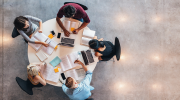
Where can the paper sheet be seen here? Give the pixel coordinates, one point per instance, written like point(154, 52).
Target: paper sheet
point(49, 50)
point(41, 55)
point(40, 36)
point(65, 63)
point(85, 41)
point(72, 57)
point(67, 24)
point(88, 33)
point(71, 73)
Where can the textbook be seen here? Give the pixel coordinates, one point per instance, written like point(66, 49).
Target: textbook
point(49, 74)
point(67, 62)
point(87, 36)
point(41, 55)
point(37, 37)
point(70, 25)
point(52, 45)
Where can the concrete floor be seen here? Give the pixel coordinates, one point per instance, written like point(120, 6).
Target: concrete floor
point(149, 34)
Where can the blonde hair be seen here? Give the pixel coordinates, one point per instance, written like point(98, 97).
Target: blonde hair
point(32, 70)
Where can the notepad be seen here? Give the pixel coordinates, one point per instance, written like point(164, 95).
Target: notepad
point(52, 46)
point(37, 37)
point(49, 74)
point(55, 61)
point(68, 61)
point(56, 69)
point(70, 25)
point(50, 36)
point(87, 36)
point(77, 74)
point(41, 55)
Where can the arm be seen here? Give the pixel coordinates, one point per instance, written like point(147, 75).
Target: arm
point(62, 26)
point(40, 79)
point(81, 27)
point(84, 67)
point(35, 19)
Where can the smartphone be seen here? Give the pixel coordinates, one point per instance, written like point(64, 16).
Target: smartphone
point(53, 33)
point(63, 76)
point(59, 35)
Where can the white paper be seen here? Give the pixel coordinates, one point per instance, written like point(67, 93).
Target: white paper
point(80, 73)
point(40, 36)
point(49, 50)
point(49, 74)
point(72, 73)
point(41, 55)
point(72, 57)
point(33, 45)
point(74, 25)
point(85, 41)
point(67, 24)
point(65, 63)
point(88, 33)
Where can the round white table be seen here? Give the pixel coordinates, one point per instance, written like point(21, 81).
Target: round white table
point(61, 51)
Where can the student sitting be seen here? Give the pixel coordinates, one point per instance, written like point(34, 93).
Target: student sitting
point(34, 75)
point(104, 50)
point(75, 11)
point(26, 28)
point(77, 91)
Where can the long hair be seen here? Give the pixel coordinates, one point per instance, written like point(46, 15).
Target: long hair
point(32, 70)
point(19, 22)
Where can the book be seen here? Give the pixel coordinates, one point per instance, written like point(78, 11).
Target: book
point(67, 62)
point(49, 74)
point(70, 25)
point(55, 61)
point(52, 45)
point(77, 74)
point(37, 37)
point(87, 36)
point(41, 55)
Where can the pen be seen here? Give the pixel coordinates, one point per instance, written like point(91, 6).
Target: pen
point(60, 81)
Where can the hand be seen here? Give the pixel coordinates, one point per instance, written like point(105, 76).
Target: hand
point(66, 33)
point(45, 44)
point(100, 58)
point(101, 39)
point(30, 36)
point(75, 31)
point(40, 31)
point(78, 62)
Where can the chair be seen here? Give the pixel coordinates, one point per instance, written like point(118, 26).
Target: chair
point(89, 99)
point(83, 6)
point(15, 33)
point(117, 49)
point(25, 85)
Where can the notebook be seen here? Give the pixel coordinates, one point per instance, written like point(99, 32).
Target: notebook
point(37, 37)
point(67, 62)
point(77, 74)
point(49, 74)
point(70, 25)
point(49, 50)
point(41, 55)
point(55, 61)
point(87, 36)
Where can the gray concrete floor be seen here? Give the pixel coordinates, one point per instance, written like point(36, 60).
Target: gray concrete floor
point(149, 34)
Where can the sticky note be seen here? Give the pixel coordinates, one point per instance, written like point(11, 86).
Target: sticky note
point(56, 47)
point(56, 70)
point(50, 36)
point(72, 29)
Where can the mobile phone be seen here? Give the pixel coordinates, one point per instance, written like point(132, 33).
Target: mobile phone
point(63, 76)
point(59, 35)
point(53, 33)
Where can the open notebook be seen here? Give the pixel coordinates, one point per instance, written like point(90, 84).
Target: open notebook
point(70, 25)
point(49, 74)
point(41, 55)
point(49, 50)
point(87, 36)
point(67, 62)
point(38, 37)
point(77, 74)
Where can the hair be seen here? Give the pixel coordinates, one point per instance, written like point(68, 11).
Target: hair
point(69, 82)
point(69, 11)
point(95, 44)
point(19, 22)
point(32, 70)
